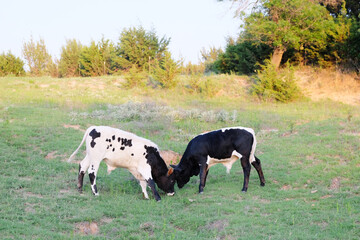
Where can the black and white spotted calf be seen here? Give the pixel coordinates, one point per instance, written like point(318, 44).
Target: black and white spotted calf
point(121, 149)
point(221, 146)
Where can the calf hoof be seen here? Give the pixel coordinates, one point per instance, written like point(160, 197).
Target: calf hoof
point(80, 190)
point(244, 190)
point(262, 184)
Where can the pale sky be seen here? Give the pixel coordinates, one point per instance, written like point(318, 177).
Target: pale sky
point(191, 24)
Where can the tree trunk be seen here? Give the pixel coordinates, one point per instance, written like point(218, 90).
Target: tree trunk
point(277, 56)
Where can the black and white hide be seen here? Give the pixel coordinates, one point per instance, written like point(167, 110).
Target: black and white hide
point(121, 149)
point(224, 146)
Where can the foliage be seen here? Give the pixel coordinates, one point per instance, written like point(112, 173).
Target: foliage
point(69, 64)
point(242, 57)
point(209, 57)
point(11, 65)
point(191, 69)
point(353, 45)
point(270, 84)
point(206, 86)
point(134, 77)
point(166, 70)
point(97, 59)
point(140, 47)
point(292, 24)
point(38, 58)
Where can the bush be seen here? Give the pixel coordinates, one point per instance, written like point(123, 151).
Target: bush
point(140, 47)
point(166, 70)
point(241, 58)
point(206, 86)
point(70, 57)
point(97, 59)
point(38, 58)
point(134, 78)
point(9, 64)
point(272, 85)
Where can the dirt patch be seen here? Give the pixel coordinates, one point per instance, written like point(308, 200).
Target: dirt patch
point(326, 196)
point(218, 225)
point(148, 227)
point(286, 187)
point(106, 220)
point(170, 157)
point(29, 208)
point(76, 127)
point(51, 155)
point(87, 228)
point(34, 195)
point(335, 183)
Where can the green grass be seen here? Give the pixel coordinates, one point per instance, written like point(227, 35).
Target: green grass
point(309, 153)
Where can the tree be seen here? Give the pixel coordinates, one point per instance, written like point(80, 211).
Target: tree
point(69, 64)
point(241, 57)
point(9, 64)
point(286, 24)
point(37, 57)
point(166, 70)
point(209, 57)
point(140, 47)
point(97, 59)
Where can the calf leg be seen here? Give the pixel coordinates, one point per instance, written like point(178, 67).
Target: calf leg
point(143, 185)
point(257, 166)
point(246, 169)
point(93, 169)
point(145, 172)
point(153, 189)
point(83, 166)
point(203, 175)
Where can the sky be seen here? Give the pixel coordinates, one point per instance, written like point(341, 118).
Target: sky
point(190, 24)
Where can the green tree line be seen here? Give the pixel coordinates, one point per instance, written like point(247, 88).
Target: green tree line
point(277, 34)
point(301, 32)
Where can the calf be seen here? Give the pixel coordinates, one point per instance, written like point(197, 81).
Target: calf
point(125, 150)
point(221, 146)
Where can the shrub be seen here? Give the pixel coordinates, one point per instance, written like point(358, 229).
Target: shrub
point(69, 61)
point(134, 78)
point(9, 64)
point(241, 57)
point(97, 59)
point(140, 47)
point(38, 58)
point(166, 70)
point(206, 86)
point(270, 84)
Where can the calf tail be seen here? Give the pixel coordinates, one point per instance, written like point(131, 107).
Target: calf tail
point(74, 153)
point(252, 157)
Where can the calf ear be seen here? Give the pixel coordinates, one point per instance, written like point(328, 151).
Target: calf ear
point(171, 171)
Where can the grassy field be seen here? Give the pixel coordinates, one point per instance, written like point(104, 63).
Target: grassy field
point(309, 152)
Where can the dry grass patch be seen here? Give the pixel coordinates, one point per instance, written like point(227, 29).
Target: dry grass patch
point(329, 83)
point(87, 228)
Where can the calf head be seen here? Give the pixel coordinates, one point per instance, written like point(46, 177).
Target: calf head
point(181, 176)
point(164, 177)
point(167, 182)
